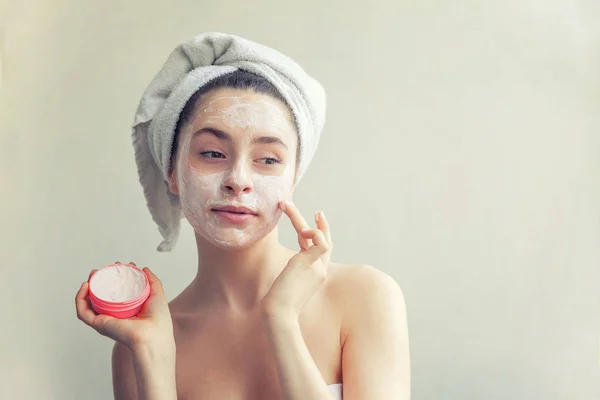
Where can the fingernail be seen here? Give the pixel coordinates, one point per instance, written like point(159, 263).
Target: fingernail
point(282, 205)
point(322, 214)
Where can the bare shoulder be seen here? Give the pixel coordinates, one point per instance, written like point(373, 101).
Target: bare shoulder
point(362, 293)
point(356, 281)
point(123, 375)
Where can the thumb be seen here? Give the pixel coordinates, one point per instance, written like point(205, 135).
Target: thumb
point(156, 287)
point(157, 302)
point(312, 255)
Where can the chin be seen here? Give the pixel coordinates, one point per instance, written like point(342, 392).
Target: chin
point(233, 246)
point(237, 239)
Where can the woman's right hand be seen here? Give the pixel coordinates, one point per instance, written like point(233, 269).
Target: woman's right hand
point(152, 326)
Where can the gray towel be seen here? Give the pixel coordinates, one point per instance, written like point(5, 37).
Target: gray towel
point(190, 66)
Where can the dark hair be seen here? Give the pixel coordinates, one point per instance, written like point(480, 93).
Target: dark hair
point(238, 79)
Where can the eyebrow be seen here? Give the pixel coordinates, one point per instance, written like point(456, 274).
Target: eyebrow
point(219, 134)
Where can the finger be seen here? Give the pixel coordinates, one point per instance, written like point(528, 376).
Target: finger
point(323, 225)
point(298, 222)
point(317, 237)
point(303, 242)
point(155, 283)
point(156, 286)
point(89, 302)
point(157, 301)
point(84, 313)
point(320, 247)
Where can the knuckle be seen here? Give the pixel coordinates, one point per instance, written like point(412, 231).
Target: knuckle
point(321, 274)
point(306, 263)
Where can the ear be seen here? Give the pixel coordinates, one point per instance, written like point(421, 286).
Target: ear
point(173, 187)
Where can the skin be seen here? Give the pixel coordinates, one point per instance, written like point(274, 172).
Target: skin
point(259, 320)
point(237, 150)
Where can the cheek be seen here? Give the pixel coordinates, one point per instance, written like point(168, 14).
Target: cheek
point(270, 190)
point(200, 188)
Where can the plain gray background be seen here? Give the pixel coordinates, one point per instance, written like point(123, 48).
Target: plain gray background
point(461, 156)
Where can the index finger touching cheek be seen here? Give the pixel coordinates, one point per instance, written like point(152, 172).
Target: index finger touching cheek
point(294, 215)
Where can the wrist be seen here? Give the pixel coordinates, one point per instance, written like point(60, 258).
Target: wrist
point(272, 309)
point(154, 349)
point(280, 319)
point(151, 337)
point(149, 361)
point(155, 370)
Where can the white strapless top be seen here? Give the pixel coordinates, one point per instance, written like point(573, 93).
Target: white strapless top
point(336, 390)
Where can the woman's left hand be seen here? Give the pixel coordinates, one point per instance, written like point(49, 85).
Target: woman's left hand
point(305, 272)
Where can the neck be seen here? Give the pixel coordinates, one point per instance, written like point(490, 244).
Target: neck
point(238, 279)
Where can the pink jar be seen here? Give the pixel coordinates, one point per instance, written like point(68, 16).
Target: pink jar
point(119, 290)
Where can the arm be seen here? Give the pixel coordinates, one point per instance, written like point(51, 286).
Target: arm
point(375, 357)
point(147, 373)
point(144, 356)
point(123, 374)
point(299, 376)
point(304, 274)
point(375, 354)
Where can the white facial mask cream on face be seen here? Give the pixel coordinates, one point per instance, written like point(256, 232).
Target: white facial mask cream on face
point(200, 192)
point(118, 283)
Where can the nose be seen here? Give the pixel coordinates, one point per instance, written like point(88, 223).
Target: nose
point(238, 181)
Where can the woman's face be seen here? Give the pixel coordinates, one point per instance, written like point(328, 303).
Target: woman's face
point(235, 163)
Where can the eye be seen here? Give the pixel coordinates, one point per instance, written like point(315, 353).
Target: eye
point(212, 154)
point(269, 161)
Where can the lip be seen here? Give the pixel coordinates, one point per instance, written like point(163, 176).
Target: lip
point(235, 214)
point(236, 218)
point(236, 210)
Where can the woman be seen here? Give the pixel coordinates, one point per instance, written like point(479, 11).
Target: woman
point(222, 135)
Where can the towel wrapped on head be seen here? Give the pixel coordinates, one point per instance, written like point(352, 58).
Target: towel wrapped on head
point(189, 67)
